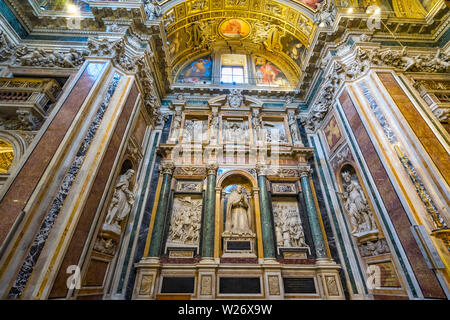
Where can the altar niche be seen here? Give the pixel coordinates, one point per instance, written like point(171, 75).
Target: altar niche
point(238, 215)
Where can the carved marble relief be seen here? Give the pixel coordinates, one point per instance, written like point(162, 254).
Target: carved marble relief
point(374, 248)
point(195, 130)
point(288, 226)
point(275, 132)
point(235, 130)
point(185, 222)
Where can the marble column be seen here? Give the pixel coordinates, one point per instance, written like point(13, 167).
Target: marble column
point(316, 230)
point(210, 209)
point(266, 215)
point(166, 170)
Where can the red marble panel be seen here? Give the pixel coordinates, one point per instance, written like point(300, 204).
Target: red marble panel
point(426, 136)
point(86, 220)
point(427, 279)
point(27, 179)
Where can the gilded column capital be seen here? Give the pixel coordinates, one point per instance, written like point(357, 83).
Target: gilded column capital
point(166, 167)
point(211, 168)
point(304, 170)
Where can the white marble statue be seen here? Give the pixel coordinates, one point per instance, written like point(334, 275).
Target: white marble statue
point(293, 127)
point(121, 203)
point(238, 214)
point(356, 205)
point(152, 9)
point(257, 125)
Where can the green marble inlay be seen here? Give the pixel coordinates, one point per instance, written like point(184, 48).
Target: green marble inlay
point(314, 223)
point(335, 222)
point(158, 227)
point(208, 224)
point(266, 219)
point(138, 214)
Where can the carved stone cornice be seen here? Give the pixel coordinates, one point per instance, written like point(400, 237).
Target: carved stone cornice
point(438, 62)
point(167, 167)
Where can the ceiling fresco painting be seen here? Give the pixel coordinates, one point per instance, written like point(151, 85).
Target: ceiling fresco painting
point(268, 73)
point(268, 28)
point(199, 71)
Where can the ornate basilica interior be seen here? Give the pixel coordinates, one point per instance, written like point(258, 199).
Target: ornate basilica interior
point(224, 149)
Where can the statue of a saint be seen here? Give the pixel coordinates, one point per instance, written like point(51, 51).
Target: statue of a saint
point(238, 216)
point(357, 206)
point(121, 203)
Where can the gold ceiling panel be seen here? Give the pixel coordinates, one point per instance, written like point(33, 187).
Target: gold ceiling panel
point(285, 17)
point(264, 27)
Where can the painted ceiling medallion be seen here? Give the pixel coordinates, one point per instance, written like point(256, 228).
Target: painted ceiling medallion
point(234, 29)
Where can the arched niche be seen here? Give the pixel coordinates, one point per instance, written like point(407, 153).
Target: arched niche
point(357, 207)
point(226, 184)
point(18, 145)
point(6, 156)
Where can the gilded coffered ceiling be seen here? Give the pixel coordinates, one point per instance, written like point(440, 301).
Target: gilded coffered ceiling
point(267, 28)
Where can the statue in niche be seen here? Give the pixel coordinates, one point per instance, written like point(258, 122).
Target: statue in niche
point(238, 214)
point(292, 120)
point(288, 228)
point(185, 222)
point(214, 126)
point(176, 125)
point(257, 124)
point(121, 203)
point(356, 205)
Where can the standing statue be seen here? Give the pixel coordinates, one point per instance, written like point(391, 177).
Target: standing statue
point(257, 125)
point(293, 127)
point(152, 9)
point(238, 216)
point(214, 126)
point(121, 203)
point(355, 203)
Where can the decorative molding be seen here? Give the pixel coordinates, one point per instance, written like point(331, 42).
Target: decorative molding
point(190, 171)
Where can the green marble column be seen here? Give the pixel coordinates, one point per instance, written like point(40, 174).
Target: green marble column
point(266, 216)
point(161, 211)
point(209, 216)
point(316, 230)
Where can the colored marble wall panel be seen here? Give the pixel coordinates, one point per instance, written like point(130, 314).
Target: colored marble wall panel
point(80, 235)
point(27, 179)
point(423, 132)
point(426, 278)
